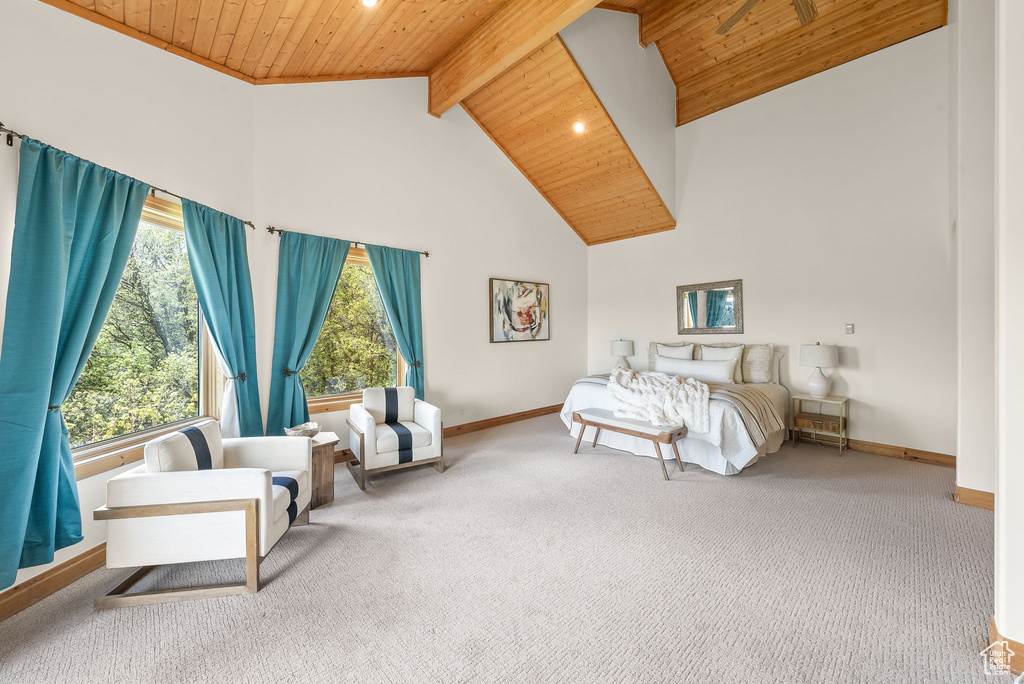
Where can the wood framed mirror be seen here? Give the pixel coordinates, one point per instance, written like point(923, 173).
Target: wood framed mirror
point(709, 308)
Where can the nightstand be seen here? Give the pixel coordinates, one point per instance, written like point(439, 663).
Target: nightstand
point(820, 424)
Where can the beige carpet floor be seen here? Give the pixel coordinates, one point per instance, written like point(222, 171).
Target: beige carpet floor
point(525, 563)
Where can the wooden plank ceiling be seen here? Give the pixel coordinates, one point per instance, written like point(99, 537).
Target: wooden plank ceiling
point(592, 178)
point(503, 60)
point(281, 41)
point(766, 44)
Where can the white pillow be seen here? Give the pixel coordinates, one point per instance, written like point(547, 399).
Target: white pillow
point(757, 362)
point(777, 367)
point(705, 371)
point(734, 354)
point(717, 345)
point(675, 351)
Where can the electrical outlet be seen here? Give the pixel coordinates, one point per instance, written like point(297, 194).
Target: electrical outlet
point(849, 328)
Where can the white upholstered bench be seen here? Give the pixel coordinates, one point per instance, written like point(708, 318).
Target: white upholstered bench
point(604, 419)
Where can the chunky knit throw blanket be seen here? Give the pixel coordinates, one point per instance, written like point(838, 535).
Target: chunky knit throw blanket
point(661, 399)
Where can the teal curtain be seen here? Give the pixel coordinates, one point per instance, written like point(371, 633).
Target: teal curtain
point(74, 226)
point(397, 272)
point(691, 301)
point(307, 276)
point(220, 269)
point(718, 309)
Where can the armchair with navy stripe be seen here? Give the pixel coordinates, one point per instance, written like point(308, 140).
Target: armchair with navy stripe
point(393, 429)
point(199, 498)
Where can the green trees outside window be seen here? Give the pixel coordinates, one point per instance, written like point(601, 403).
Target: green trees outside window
point(356, 348)
point(144, 370)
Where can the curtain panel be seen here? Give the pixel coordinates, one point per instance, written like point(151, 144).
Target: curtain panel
point(307, 276)
point(397, 272)
point(74, 227)
point(717, 311)
point(220, 269)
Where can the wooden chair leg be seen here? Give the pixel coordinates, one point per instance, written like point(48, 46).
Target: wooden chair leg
point(358, 473)
point(359, 477)
point(440, 464)
point(678, 459)
point(119, 597)
point(664, 470)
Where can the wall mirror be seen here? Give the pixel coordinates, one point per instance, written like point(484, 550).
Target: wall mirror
point(706, 308)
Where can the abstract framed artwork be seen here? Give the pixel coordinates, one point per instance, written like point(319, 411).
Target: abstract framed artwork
point(520, 311)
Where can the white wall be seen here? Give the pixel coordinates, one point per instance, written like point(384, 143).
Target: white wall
point(362, 160)
point(128, 106)
point(1009, 549)
point(972, 30)
point(829, 198)
point(634, 86)
point(358, 160)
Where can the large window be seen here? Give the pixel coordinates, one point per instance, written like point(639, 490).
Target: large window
point(356, 348)
point(145, 369)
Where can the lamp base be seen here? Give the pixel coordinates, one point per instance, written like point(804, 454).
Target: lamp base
point(818, 385)
point(622, 363)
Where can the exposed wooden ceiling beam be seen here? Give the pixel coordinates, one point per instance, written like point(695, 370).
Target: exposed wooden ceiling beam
point(510, 35)
point(592, 179)
point(661, 18)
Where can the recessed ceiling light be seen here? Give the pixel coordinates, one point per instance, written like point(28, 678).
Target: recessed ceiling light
point(369, 3)
point(579, 127)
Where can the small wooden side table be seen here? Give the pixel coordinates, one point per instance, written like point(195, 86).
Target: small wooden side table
point(323, 469)
point(834, 426)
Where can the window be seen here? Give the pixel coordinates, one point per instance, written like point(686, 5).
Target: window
point(146, 368)
point(356, 348)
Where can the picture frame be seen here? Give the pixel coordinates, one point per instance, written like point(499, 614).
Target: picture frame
point(520, 311)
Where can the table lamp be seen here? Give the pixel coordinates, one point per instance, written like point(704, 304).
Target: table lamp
point(819, 356)
point(622, 349)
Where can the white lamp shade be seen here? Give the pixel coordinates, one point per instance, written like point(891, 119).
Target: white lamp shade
point(819, 355)
point(622, 347)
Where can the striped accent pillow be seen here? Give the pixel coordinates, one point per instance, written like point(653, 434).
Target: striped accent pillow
point(197, 447)
point(200, 447)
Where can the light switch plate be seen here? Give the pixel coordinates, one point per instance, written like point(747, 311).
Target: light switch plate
point(849, 328)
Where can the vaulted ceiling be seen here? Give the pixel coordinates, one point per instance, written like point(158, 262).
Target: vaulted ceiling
point(593, 180)
point(503, 61)
point(722, 52)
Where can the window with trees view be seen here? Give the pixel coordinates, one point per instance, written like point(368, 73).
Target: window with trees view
point(356, 348)
point(144, 370)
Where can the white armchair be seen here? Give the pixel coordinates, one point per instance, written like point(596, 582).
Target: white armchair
point(393, 429)
point(198, 498)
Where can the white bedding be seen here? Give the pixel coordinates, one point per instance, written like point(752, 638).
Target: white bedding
point(725, 449)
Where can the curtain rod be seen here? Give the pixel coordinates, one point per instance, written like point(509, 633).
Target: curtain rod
point(11, 134)
point(355, 243)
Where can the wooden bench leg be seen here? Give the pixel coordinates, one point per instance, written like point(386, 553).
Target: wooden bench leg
point(664, 470)
point(583, 428)
point(597, 433)
point(678, 459)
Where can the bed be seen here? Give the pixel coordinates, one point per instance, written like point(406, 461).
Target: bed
point(727, 448)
